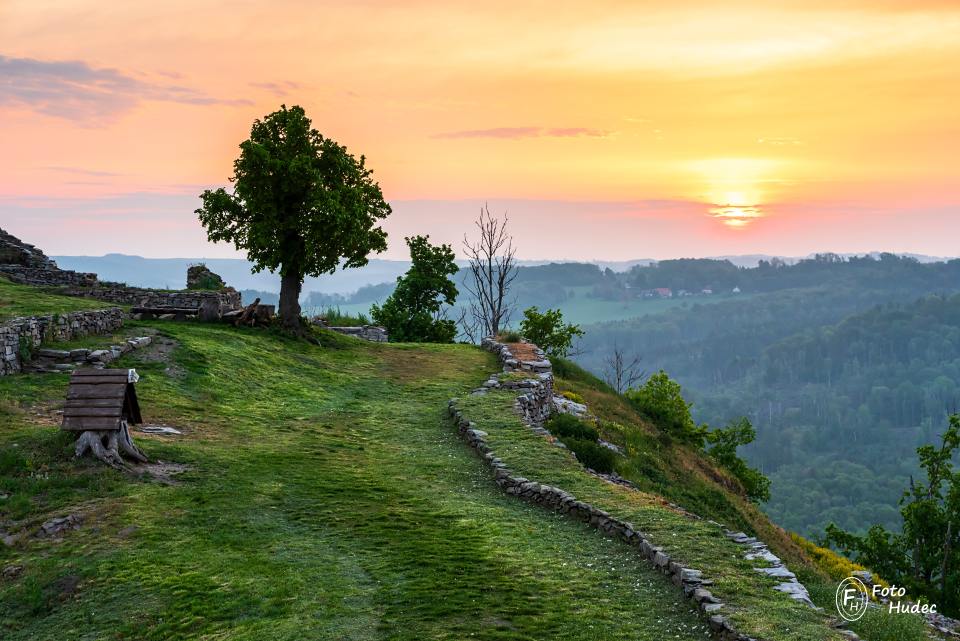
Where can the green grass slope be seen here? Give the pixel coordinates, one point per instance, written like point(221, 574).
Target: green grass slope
point(23, 300)
point(326, 498)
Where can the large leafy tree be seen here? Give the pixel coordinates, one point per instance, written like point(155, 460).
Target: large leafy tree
point(301, 205)
point(414, 312)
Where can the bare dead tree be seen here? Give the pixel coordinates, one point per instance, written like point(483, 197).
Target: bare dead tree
point(622, 371)
point(492, 269)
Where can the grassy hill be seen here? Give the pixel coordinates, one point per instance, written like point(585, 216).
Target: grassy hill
point(21, 300)
point(325, 495)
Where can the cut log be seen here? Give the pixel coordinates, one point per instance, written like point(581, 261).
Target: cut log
point(110, 446)
point(249, 315)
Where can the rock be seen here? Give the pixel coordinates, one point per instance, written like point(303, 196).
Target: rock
point(158, 429)
point(59, 524)
point(79, 354)
point(778, 572)
point(58, 354)
point(199, 276)
point(12, 571)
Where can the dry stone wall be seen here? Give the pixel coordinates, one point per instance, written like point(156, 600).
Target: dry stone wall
point(534, 403)
point(226, 300)
point(372, 333)
point(20, 336)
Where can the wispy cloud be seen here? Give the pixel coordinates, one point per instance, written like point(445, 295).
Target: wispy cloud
point(81, 171)
point(281, 88)
point(516, 133)
point(77, 91)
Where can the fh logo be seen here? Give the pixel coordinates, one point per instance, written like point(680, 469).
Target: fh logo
point(852, 598)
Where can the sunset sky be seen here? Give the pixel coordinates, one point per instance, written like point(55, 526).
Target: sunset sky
point(606, 129)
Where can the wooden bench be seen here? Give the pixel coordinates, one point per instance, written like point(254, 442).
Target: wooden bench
point(101, 404)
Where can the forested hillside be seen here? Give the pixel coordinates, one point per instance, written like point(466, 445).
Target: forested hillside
point(844, 367)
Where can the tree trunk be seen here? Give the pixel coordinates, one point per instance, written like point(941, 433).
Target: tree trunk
point(290, 285)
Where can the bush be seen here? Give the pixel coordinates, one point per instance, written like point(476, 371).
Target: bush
point(548, 331)
point(661, 400)
point(336, 318)
point(592, 455)
point(569, 426)
point(510, 336)
point(573, 396)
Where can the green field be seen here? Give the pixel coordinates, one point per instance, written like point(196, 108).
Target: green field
point(326, 495)
point(22, 300)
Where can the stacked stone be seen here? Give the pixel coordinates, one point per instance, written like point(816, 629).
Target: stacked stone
point(43, 277)
point(25, 264)
point(535, 403)
point(689, 580)
point(22, 335)
point(61, 360)
point(14, 251)
point(226, 300)
point(372, 333)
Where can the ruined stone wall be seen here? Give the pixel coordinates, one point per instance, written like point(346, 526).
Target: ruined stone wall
point(372, 333)
point(21, 335)
point(535, 400)
point(227, 299)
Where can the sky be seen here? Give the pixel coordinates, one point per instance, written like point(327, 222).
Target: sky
point(606, 129)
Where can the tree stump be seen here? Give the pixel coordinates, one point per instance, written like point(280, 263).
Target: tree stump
point(110, 446)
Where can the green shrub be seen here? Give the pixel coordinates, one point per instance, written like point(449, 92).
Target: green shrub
point(592, 455)
point(510, 336)
point(661, 400)
point(568, 426)
point(548, 331)
point(25, 349)
point(336, 318)
point(573, 396)
point(570, 371)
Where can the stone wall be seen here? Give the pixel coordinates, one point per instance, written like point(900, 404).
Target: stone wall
point(26, 334)
point(372, 333)
point(227, 299)
point(14, 251)
point(689, 580)
point(535, 400)
point(45, 277)
point(534, 404)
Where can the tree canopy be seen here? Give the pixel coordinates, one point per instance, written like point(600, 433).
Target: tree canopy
point(301, 205)
point(414, 311)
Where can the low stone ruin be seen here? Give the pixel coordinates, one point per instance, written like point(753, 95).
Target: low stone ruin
point(21, 336)
point(199, 276)
point(25, 264)
point(48, 359)
point(372, 333)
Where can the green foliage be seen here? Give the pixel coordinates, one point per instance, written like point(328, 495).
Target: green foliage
point(345, 508)
point(24, 349)
point(661, 400)
point(413, 312)
point(567, 369)
point(23, 300)
point(510, 336)
point(548, 331)
point(724, 443)
point(592, 455)
point(207, 280)
point(336, 318)
point(569, 426)
point(301, 204)
point(925, 556)
point(573, 396)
